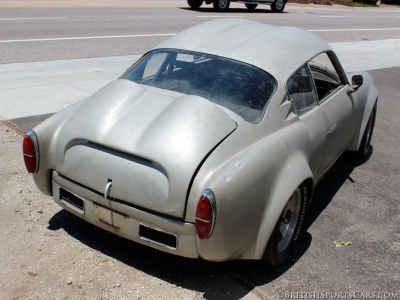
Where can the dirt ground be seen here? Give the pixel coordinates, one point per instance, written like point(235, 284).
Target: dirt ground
point(48, 253)
point(42, 255)
point(39, 260)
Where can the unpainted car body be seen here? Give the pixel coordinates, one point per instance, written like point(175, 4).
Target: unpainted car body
point(142, 161)
point(223, 5)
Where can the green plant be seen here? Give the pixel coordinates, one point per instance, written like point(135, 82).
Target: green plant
point(368, 2)
point(343, 2)
point(359, 4)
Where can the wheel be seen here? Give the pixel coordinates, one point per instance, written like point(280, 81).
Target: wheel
point(221, 5)
point(251, 6)
point(366, 140)
point(278, 6)
point(195, 3)
point(288, 228)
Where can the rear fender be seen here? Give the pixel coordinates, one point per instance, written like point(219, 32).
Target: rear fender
point(251, 189)
point(46, 133)
point(293, 174)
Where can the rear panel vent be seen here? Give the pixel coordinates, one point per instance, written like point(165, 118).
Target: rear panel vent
point(158, 236)
point(71, 200)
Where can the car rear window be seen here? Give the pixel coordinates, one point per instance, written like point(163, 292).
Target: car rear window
point(240, 87)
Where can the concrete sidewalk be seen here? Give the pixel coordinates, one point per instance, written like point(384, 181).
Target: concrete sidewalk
point(36, 88)
point(28, 89)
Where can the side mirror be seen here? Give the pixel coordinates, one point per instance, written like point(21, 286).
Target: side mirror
point(356, 81)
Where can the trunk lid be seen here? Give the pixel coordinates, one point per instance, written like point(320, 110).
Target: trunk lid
point(148, 143)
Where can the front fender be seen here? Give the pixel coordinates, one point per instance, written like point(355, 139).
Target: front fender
point(368, 96)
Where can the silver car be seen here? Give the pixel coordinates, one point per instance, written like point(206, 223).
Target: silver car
point(223, 5)
point(211, 144)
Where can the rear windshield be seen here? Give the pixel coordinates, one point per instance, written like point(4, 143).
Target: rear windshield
point(241, 88)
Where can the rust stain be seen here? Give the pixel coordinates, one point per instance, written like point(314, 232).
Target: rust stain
point(111, 225)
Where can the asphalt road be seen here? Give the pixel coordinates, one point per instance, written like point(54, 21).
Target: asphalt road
point(40, 33)
point(357, 201)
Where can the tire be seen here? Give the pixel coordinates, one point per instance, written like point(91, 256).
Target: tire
point(195, 4)
point(221, 5)
point(278, 6)
point(365, 145)
point(251, 6)
point(288, 228)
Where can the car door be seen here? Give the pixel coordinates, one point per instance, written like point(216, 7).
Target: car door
point(301, 92)
point(337, 107)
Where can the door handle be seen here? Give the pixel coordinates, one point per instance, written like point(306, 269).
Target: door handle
point(107, 189)
point(332, 130)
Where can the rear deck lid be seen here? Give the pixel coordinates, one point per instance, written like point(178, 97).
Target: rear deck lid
point(148, 143)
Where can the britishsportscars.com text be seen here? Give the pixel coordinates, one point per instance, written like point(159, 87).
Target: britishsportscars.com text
point(338, 295)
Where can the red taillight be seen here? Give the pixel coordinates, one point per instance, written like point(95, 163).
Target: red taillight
point(29, 151)
point(205, 215)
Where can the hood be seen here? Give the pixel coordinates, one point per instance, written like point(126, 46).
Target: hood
point(148, 143)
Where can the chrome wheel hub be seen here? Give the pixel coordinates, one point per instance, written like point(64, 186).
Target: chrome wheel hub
point(369, 129)
point(289, 220)
point(279, 4)
point(223, 3)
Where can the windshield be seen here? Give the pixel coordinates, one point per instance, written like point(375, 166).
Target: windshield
point(242, 88)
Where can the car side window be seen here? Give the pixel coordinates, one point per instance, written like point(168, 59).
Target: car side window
point(326, 79)
point(153, 65)
point(301, 91)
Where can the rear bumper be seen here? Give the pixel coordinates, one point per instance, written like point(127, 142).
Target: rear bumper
point(142, 227)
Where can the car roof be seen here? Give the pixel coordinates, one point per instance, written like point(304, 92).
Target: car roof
point(278, 50)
